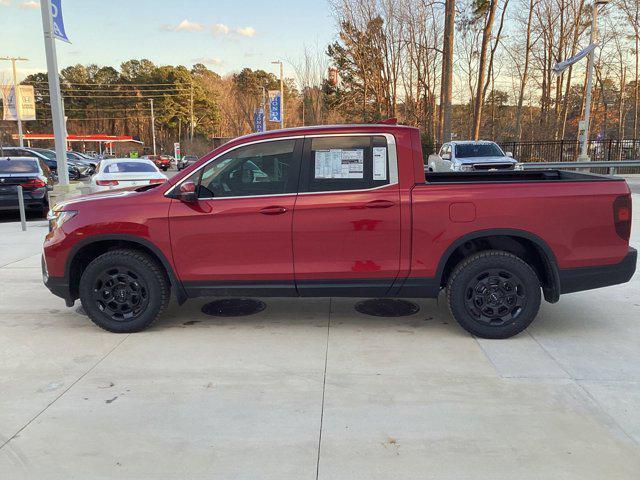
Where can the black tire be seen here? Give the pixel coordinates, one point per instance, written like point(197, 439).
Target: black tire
point(493, 294)
point(124, 291)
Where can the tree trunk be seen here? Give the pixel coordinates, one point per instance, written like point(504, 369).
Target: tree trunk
point(525, 73)
point(446, 86)
point(486, 37)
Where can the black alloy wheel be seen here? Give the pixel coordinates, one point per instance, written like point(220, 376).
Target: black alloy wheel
point(120, 293)
point(495, 297)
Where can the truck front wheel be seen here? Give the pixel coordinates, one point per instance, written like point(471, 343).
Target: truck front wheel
point(123, 291)
point(493, 294)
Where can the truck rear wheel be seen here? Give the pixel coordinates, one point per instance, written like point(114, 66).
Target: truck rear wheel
point(123, 291)
point(494, 294)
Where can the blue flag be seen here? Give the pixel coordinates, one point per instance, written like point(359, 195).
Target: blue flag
point(258, 120)
point(275, 112)
point(58, 22)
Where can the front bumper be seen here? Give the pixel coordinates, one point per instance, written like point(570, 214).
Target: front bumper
point(588, 278)
point(59, 286)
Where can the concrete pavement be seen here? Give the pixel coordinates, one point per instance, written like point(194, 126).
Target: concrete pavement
point(312, 389)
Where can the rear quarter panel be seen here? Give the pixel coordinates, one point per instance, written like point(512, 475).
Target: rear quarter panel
point(575, 219)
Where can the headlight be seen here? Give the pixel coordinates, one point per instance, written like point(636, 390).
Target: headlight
point(518, 166)
point(57, 218)
point(461, 167)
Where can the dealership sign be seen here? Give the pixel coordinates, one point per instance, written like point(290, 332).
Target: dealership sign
point(27, 103)
point(275, 106)
point(258, 120)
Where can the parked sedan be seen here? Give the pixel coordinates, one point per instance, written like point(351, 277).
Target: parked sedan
point(126, 172)
point(472, 156)
point(76, 171)
point(187, 161)
point(34, 177)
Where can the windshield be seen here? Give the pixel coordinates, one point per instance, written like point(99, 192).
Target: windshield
point(129, 167)
point(18, 166)
point(478, 150)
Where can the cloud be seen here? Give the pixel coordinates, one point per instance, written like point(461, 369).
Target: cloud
point(208, 61)
point(246, 31)
point(184, 26)
point(31, 4)
point(220, 29)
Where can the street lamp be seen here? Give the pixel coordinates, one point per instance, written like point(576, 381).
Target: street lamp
point(584, 155)
point(16, 93)
point(278, 62)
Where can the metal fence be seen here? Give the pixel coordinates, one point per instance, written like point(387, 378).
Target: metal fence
point(568, 150)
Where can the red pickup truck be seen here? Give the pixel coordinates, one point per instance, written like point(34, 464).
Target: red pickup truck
point(341, 211)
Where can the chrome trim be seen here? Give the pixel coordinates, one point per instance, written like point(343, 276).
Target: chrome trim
point(392, 160)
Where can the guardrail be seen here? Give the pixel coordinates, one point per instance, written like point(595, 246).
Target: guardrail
point(612, 167)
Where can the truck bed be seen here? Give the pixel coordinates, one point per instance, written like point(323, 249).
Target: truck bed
point(516, 176)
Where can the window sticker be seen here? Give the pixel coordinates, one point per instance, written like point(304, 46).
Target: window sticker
point(379, 163)
point(338, 163)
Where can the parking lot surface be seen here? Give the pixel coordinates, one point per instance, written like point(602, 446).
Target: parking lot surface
point(310, 388)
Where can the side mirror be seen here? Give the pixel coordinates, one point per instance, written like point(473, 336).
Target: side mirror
point(446, 156)
point(187, 192)
point(509, 154)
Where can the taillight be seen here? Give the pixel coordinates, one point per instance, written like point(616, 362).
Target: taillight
point(106, 183)
point(622, 216)
point(154, 181)
point(33, 184)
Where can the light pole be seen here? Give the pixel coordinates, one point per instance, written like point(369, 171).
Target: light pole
point(16, 93)
point(278, 62)
point(584, 154)
point(153, 126)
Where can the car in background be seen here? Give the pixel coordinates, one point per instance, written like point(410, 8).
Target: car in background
point(161, 161)
point(472, 156)
point(186, 161)
point(35, 178)
point(126, 172)
point(76, 171)
point(82, 159)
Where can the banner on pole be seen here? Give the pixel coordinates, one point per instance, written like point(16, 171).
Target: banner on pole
point(560, 67)
point(258, 120)
point(27, 103)
point(275, 106)
point(58, 22)
point(176, 151)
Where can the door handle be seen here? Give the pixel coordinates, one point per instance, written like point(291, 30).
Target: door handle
point(273, 210)
point(380, 204)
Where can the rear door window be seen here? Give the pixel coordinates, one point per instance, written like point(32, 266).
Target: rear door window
point(336, 163)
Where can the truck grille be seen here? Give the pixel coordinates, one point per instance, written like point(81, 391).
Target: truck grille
point(483, 167)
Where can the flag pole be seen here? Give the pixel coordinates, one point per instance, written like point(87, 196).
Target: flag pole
point(57, 114)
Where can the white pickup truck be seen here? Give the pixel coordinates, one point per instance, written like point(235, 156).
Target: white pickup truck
point(471, 156)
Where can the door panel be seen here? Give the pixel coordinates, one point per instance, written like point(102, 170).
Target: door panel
point(236, 238)
point(346, 243)
point(232, 241)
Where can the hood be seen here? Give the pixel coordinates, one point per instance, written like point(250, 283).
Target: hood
point(69, 203)
point(500, 159)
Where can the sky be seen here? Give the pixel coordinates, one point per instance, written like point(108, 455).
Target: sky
point(224, 35)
